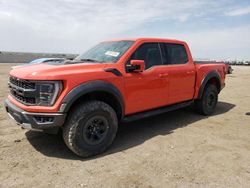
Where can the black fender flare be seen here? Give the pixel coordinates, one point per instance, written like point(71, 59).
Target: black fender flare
point(89, 87)
point(212, 74)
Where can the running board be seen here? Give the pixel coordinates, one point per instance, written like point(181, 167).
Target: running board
point(157, 111)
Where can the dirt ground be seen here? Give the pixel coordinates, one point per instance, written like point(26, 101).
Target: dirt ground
point(177, 149)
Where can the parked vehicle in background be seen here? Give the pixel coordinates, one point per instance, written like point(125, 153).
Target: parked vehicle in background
point(44, 60)
point(229, 69)
point(246, 63)
point(118, 80)
point(40, 60)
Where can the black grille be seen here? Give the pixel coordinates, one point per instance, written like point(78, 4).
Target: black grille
point(18, 89)
point(22, 83)
point(22, 99)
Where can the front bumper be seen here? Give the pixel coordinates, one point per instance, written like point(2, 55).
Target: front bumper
point(30, 120)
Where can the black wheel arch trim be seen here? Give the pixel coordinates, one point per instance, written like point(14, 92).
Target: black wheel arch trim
point(89, 87)
point(212, 74)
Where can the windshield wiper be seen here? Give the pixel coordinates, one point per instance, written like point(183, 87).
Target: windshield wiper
point(81, 61)
point(89, 60)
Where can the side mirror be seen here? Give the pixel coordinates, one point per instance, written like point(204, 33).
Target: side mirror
point(136, 66)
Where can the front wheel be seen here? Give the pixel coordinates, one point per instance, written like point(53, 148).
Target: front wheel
point(206, 105)
point(90, 128)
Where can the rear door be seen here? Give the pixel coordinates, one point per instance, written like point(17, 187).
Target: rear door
point(181, 72)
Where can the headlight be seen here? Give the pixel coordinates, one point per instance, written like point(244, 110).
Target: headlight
point(48, 92)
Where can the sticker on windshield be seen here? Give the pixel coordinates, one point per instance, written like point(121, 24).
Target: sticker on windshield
point(112, 53)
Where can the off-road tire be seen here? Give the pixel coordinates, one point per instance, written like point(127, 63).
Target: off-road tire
point(76, 128)
point(206, 105)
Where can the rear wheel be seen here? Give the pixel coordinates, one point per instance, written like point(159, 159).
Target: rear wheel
point(206, 105)
point(90, 128)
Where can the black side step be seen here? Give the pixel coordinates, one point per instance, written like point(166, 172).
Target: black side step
point(157, 111)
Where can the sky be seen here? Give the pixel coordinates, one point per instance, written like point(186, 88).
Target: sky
point(214, 29)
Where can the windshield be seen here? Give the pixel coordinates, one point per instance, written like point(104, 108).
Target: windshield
point(105, 52)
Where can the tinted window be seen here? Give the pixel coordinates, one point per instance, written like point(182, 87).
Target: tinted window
point(150, 53)
point(174, 54)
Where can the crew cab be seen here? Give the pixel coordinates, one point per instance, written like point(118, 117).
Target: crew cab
point(115, 81)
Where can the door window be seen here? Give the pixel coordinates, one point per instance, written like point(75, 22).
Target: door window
point(174, 54)
point(150, 53)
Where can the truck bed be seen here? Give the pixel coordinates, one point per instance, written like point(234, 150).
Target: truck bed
point(208, 62)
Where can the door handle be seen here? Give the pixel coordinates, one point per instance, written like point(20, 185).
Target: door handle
point(190, 72)
point(163, 75)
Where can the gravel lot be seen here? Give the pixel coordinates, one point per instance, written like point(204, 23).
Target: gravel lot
point(177, 149)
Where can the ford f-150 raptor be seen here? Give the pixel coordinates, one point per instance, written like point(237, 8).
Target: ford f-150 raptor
point(115, 81)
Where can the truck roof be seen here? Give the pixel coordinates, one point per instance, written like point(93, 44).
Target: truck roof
point(147, 39)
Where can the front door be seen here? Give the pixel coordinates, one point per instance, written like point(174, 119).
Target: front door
point(148, 89)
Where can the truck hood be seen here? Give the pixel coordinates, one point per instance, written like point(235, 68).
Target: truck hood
point(45, 71)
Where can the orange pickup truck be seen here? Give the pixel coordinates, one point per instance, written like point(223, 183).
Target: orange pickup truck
point(115, 81)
